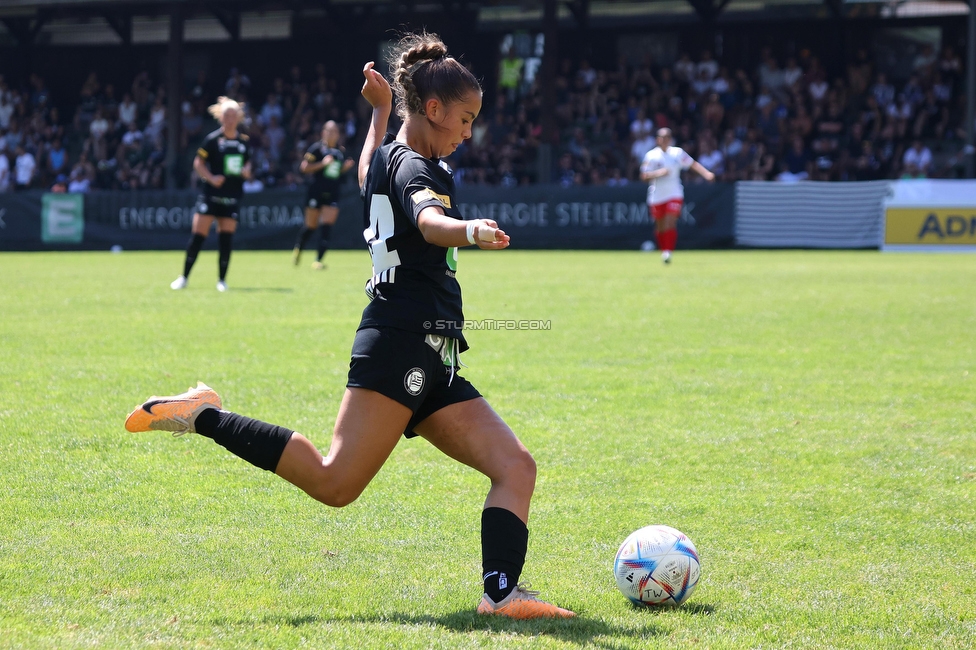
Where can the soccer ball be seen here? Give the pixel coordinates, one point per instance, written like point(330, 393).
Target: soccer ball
point(657, 565)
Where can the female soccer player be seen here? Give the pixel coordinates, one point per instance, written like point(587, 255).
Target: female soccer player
point(403, 378)
point(326, 162)
point(662, 167)
point(223, 161)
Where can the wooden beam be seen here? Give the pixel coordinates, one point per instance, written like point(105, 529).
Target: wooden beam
point(24, 29)
point(581, 12)
point(229, 19)
point(836, 7)
point(708, 10)
point(121, 25)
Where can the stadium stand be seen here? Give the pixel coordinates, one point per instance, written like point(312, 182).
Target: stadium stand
point(117, 142)
point(782, 120)
point(781, 116)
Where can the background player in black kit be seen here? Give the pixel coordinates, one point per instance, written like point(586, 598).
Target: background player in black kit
point(403, 374)
point(223, 162)
point(325, 162)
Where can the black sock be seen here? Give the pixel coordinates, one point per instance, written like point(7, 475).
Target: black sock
point(259, 443)
point(303, 236)
point(504, 540)
point(225, 241)
point(325, 232)
point(192, 249)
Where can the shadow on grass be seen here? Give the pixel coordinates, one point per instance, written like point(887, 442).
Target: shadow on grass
point(262, 289)
point(698, 609)
point(580, 630)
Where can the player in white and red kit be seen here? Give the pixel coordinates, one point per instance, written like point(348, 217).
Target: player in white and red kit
point(662, 167)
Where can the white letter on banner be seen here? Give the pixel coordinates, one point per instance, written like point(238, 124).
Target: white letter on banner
point(562, 214)
point(61, 218)
point(620, 213)
point(638, 213)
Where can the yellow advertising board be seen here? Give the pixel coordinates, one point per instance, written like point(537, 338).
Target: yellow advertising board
point(937, 226)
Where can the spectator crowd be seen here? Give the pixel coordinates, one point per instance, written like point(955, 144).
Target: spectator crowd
point(786, 120)
point(119, 142)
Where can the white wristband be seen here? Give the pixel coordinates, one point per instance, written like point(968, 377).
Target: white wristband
point(469, 231)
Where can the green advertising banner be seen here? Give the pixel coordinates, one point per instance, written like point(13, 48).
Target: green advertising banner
point(62, 218)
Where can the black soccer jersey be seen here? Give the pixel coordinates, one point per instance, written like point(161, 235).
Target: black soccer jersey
point(413, 285)
point(326, 180)
point(226, 157)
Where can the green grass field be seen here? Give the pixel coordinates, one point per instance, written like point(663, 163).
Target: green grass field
point(807, 418)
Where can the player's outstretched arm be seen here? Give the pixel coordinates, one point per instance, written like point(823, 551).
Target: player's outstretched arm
point(699, 169)
point(377, 91)
point(441, 230)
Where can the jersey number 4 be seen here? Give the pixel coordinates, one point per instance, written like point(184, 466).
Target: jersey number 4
point(380, 229)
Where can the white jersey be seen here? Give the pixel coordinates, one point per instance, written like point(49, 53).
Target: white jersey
point(667, 187)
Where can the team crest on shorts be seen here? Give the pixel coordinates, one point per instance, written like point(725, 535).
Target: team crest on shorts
point(413, 381)
point(312, 203)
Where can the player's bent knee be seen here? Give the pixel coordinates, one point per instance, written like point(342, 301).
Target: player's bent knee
point(520, 472)
point(335, 496)
point(530, 470)
point(335, 493)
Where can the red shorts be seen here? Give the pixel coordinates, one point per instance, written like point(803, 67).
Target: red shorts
point(669, 207)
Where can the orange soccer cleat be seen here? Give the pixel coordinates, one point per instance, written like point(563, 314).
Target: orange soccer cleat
point(177, 413)
point(522, 604)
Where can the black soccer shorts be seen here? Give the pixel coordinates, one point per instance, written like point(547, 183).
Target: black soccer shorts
point(217, 206)
point(321, 199)
point(402, 366)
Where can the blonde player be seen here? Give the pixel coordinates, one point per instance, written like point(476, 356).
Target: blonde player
point(662, 167)
point(223, 161)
